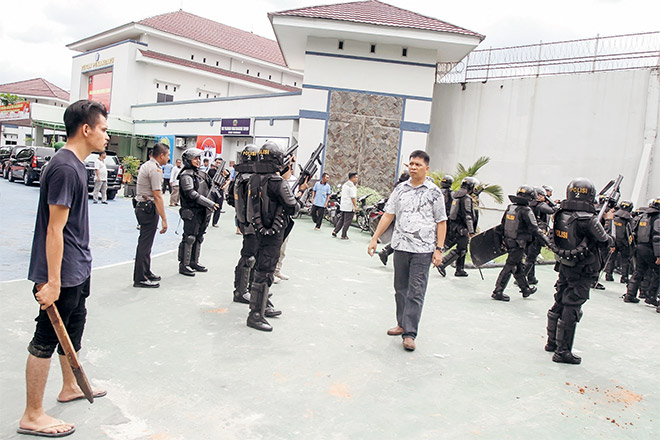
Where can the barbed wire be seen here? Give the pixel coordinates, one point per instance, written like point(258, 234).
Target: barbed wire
point(598, 54)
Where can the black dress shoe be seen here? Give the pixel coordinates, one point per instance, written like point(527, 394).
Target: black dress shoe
point(187, 271)
point(153, 277)
point(500, 296)
point(148, 284)
point(198, 267)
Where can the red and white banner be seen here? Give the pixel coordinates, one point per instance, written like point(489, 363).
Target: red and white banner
point(212, 146)
point(100, 88)
point(15, 112)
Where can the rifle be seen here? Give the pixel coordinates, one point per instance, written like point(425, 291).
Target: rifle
point(218, 181)
point(612, 196)
point(310, 167)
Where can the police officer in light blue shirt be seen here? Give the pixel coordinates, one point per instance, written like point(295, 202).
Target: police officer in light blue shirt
point(320, 193)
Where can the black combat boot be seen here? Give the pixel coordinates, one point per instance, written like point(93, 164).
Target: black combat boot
point(185, 253)
point(271, 311)
point(446, 261)
point(258, 301)
point(241, 282)
point(500, 296)
point(630, 298)
point(609, 277)
point(529, 290)
point(460, 267)
point(623, 280)
point(565, 336)
point(194, 263)
point(551, 328)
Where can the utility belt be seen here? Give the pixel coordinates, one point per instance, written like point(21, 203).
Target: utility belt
point(148, 206)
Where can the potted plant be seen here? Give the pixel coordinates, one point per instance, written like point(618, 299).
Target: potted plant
point(130, 165)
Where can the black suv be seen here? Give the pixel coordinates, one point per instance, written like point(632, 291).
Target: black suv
point(115, 172)
point(7, 153)
point(28, 162)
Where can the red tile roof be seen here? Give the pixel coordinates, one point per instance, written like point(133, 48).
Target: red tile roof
point(35, 87)
point(378, 13)
point(216, 70)
point(217, 34)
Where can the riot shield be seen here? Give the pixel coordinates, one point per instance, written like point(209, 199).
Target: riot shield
point(487, 246)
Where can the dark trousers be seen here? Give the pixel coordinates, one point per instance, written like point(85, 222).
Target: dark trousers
point(411, 275)
point(513, 266)
point(621, 249)
point(645, 260)
point(268, 254)
point(73, 311)
point(344, 222)
point(572, 290)
point(216, 214)
point(532, 253)
point(166, 185)
point(148, 221)
point(317, 215)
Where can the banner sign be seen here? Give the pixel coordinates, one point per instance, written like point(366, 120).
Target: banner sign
point(235, 127)
point(167, 140)
point(15, 112)
point(211, 145)
point(100, 88)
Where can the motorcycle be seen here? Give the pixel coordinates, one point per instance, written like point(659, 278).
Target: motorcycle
point(305, 203)
point(375, 214)
point(362, 215)
point(331, 212)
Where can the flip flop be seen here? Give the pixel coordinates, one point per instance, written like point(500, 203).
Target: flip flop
point(96, 395)
point(41, 433)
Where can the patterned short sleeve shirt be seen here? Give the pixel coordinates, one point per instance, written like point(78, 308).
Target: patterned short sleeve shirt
point(418, 211)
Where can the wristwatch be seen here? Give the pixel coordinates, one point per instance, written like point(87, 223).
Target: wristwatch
point(440, 248)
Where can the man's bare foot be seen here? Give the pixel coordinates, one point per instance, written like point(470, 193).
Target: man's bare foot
point(72, 395)
point(44, 424)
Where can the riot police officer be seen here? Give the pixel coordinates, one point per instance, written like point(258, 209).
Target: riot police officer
point(461, 227)
point(519, 228)
point(647, 232)
point(622, 233)
point(238, 198)
point(445, 188)
point(577, 237)
point(542, 210)
point(270, 207)
point(196, 208)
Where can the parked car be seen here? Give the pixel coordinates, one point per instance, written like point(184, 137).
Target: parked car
point(28, 162)
point(7, 156)
point(115, 173)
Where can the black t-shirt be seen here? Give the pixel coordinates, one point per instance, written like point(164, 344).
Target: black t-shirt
point(64, 183)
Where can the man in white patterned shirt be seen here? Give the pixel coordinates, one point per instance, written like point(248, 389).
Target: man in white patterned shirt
point(418, 241)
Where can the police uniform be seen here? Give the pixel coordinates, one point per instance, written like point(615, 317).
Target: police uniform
point(519, 228)
point(542, 211)
point(647, 233)
point(149, 179)
point(462, 223)
point(270, 207)
point(577, 238)
point(196, 208)
point(621, 230)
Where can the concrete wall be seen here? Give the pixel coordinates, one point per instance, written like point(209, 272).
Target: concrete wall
point(548, 130)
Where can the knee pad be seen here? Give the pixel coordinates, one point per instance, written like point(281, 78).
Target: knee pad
point(571, 313)
point(190, 239)
point(251, 262)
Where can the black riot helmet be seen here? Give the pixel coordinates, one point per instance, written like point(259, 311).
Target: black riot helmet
point(655, 203)
point(469, 183)
point(626, 205)
point(581, 189)
point(540, 191)
point(249, 154)
point(189, 155)
point(271, 153)
point(446, 181)
point(526, 192)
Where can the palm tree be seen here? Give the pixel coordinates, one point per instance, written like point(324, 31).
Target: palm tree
point(495, 191)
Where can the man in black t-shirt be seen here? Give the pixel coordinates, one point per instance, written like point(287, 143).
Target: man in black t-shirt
point(61, 262)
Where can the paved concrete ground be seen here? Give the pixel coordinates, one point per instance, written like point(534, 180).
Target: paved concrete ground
point(179, 363)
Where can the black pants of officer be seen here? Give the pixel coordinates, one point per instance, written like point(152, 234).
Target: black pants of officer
point(460, 239)
point(243, 272)
point(532, 253)
point(195, 223)
point(317, 215)
point(645, 262)
point(268, 254)
point(513, 266)
point(572, 291)
point(147, 218)
point(622, 249)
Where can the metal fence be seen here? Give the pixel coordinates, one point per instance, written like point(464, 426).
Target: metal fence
point(599, 54)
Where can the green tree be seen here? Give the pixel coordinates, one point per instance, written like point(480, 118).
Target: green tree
point(8, 99)
point(495, 191)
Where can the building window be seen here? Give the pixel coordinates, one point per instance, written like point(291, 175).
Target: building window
point(165, 86)
point(404, 52)
point(341, 45)
point(175, 88)
point(258, 73)
point(207, 95)
point(373, 48)
point(295, 83)
point(199, 94)
point(269, 76)
point(204, 60)
point(163, 97)
point(217, 63)
point(248, 71)
point(192, 57)
point(157, 85)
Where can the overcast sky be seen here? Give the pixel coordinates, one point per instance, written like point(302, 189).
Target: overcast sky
point(34, 33)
